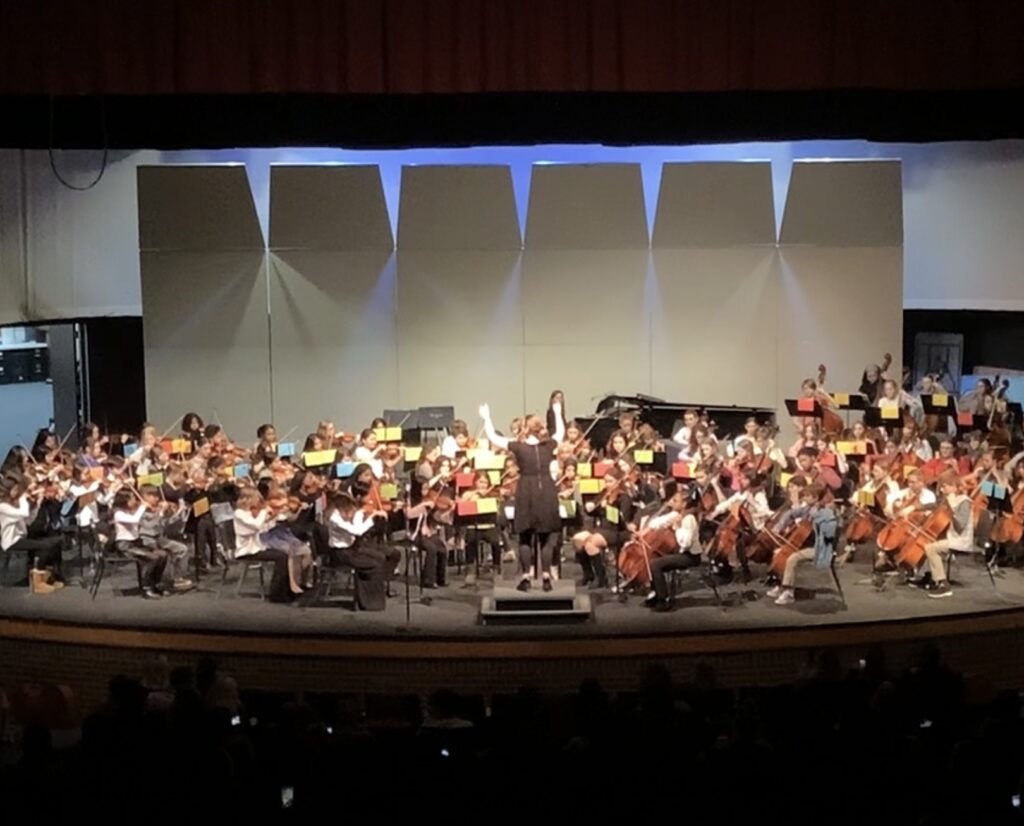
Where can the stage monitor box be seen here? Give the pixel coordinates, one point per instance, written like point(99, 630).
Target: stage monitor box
point(436, 418)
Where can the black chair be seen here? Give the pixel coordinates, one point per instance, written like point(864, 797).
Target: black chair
point(108, 555)
point(246, 566)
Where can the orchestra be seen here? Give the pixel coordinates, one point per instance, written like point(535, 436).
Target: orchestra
point(887, 473)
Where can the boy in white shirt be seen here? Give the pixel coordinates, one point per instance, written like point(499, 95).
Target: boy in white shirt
point(16, 513)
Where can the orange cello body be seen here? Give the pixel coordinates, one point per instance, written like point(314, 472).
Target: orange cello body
point(636, 555)
point(894, 534)
point(1009, 527)
point(726, 539)
point(761, 548)
point(795, 538)
point(932, 528)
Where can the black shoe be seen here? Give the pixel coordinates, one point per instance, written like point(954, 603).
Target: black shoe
point(151, 593)
point(428, 586)
point(547, 584)
point(651, 600)
point(939, 590)
point(663, 606)
point(524, 585)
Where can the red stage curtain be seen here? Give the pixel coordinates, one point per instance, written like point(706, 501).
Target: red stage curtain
point(447, 46)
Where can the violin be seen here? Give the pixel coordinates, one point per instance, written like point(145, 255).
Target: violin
point(373, 501)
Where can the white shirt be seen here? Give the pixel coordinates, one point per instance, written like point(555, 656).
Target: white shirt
point(926, 498)
point(757, 506)
point(449, 447)
point(87, 515)
point(247, 531)
point(126, 525)
point(961, 540)
point(687, 531)
point(14, 522)
point(364, 454)
point(344, 533)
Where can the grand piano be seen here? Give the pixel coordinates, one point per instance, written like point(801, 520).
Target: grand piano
point(666, 417)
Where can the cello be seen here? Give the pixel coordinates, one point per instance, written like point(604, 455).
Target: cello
point(1009, 527)
point(634, 560)
point(931, 529)
point(790, 543)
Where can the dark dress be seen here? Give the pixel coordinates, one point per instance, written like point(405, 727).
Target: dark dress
point(536, 496)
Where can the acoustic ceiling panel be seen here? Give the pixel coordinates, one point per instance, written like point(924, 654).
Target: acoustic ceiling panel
point(586, 206)
point(715, 205)
point(844, 204)
point(328, 208)
point(457, 208)
point(196, 208)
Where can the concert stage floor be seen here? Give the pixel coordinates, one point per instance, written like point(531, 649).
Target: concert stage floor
point(454, 611)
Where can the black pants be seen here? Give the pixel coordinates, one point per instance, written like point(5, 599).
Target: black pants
point(548, 542)
point(43, 552)
point(280, 590)
point(664, 564)
point(435, 560)
point(474, 536)
point(373, 564)
point(152, 561)
point(205, 536)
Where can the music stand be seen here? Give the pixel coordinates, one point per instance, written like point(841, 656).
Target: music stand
point(811, 408)
point(977, 422)
point(850, 401)
point(933, 409)
point(873, 418)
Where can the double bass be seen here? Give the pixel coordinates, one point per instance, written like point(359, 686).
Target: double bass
point(831, 422)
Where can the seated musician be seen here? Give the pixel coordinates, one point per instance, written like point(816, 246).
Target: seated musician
point(482, 531)
point(808, 467)
point(882, 490)
point(370, 452)
point(458, 442)
point(18, 507)
point(750, 429)
point(819, 546)
point(912, 443)
point(349, 527)
point(959, 536)
point(266, 447)
point(612, 513)
point(751, 496)
point(427, 533)
point(895, 397)
point(946, 459)
point(682, 518)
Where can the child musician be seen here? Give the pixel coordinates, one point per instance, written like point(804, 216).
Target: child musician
point(17, 511)
point(429, 538)
point(127, 517)
point(253, 542)
point(486, 529)
point(682, 517)
point(157, 521)
point(348, 525)
point(820, 545)
point(959, 537)
point(611, 513)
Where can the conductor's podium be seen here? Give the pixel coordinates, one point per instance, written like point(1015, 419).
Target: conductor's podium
point(507, 606)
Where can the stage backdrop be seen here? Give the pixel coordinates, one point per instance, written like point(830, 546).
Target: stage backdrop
point(335, 315)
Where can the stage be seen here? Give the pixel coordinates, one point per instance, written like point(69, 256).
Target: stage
point(453, 612)
point(329, 647)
